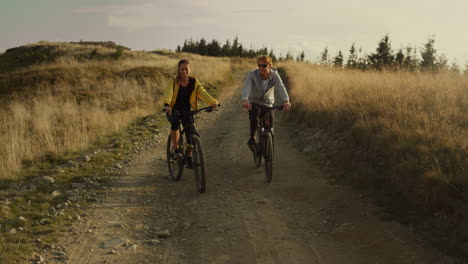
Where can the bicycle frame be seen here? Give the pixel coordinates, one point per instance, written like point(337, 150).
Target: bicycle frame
point(263, 124)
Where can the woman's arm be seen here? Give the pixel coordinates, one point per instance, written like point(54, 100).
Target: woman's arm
point(203, 94)
point(168, 93)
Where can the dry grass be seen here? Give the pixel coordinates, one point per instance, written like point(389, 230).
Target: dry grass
point(408, 121)
point(402, 136)
point(69, 103)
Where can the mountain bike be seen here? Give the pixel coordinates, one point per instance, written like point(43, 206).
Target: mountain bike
point(264, 140)
point(176, 164)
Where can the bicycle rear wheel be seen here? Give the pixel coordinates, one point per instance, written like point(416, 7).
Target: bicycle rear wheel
point(198, 164)
point(257, 151)
point(175, 166)
point(268, 155)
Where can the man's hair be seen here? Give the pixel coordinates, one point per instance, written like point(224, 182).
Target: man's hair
point(265, 58)
point(178, 67)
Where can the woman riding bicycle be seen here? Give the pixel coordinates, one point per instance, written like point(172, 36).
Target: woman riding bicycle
point(182, 94)
point(259, 88)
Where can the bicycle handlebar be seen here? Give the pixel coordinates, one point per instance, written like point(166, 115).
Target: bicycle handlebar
point(207, 109)
point(275, 107)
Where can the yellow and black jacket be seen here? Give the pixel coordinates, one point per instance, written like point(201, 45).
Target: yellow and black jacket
point(170, 95)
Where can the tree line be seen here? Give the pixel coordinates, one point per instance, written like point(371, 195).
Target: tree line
point(234, 49)
point(383, 58)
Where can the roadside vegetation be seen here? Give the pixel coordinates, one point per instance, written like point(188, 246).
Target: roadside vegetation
point(400, 135)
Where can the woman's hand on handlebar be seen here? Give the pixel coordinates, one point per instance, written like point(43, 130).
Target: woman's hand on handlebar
point(168, 110)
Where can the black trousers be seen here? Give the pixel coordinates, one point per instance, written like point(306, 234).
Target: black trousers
point(187, 122)
point(254, 114)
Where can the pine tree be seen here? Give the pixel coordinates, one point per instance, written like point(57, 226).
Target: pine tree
point(272, 55)
point(324, 60)
point(226, 49)
point(201, 47)
point(410, 62)
point(289, 56)
point(352, 58)
point(338, 60)
point(383, 57)
point(429, 56)
point(213, 48)
point(454, 68)
point(301, 57)
point(235, 48)
point(399, 59)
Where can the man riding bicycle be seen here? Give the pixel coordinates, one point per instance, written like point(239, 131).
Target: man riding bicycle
point(182, 94)
point(259, 88)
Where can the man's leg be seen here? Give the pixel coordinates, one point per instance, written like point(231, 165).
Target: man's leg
point(253, 115)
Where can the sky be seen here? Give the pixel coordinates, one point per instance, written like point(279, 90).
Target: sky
point(285, 26)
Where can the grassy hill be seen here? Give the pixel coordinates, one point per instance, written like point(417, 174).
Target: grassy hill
point(60, 97)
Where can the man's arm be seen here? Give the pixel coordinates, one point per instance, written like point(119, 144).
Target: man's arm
point(246, 91)
point(281, 89)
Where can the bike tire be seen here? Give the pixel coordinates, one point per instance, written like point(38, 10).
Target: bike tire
point(257, 152)
point(199, 168)
point(175, 166)
point(268, 156)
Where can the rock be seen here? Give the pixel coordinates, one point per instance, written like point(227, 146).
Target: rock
point(73, 198)
point(72, 192)
point(72, 164)
point(76, 185)
point(45, 221)
point(12, 231)
point(154, 241)
point(86, 158)
point(113, 243)
point(56, 193)
point(133, 247)
point(48, 179)
point(163, 234)
point(22, 219)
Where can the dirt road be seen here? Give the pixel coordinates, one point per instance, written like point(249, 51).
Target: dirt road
point(297, 218)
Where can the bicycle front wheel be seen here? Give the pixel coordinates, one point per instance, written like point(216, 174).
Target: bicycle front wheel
point(268, 155)
point(199, 164)
point(175, 166)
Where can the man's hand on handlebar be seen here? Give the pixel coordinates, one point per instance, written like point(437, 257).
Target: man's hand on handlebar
point(247, 105)
point(286, 106)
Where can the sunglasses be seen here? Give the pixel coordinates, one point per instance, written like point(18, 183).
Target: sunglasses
point(262, 65)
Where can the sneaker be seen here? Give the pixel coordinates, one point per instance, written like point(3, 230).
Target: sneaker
point(189, 163)
point(176, 154)
point(251, 142)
